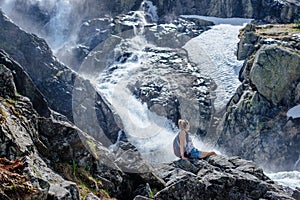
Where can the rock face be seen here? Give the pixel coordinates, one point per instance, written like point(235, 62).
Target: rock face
point(181, 92)
point(280, 11)
point(275, 74)
point(65, 91)
point(257, 113)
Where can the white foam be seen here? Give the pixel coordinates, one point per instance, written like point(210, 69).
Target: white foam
point(286, 178)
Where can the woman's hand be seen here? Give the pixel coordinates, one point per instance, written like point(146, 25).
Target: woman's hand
point(184, 158)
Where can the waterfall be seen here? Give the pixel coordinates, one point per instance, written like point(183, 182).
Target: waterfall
point(296, 163)
point(150, 10)
point(145, 15)
point(57, 31)
point(59, 25)
point(215, 55)
point(150, 133)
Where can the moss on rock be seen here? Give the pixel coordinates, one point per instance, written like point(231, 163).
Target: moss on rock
point(274, 70)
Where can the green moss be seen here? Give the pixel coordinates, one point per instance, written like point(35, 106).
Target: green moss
point(92, 148)
point(297, 24)
point(85, 181)
point(37, 172)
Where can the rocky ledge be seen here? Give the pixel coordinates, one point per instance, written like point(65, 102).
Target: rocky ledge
point(65, 91)
point(221, 178)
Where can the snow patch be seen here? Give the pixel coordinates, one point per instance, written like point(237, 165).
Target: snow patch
point(294, 112)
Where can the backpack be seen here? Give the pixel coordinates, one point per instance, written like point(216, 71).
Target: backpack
point(176, 146)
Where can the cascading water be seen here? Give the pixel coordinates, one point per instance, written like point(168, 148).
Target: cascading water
point(297, 163)
point(150, 10)
point(150, 133)
point(57, 31)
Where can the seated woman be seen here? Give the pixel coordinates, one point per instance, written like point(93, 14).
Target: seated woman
point(183, 146)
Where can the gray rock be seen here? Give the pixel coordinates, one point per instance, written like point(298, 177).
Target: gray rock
point(221, 178)
point(181, 92)
point(275, 72)
point(139, 197)
point(62, 191)
point(25, 85)
point(65, 91)
point(91, 196)
point(6, 83)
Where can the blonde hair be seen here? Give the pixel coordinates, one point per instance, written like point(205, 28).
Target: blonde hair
point(183, 123)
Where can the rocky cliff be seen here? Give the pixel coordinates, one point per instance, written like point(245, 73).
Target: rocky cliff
point(276, 11)
point(65, 91)
point(257, 114)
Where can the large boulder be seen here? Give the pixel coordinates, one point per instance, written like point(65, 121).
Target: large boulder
point(275, 73)
point(257, 115)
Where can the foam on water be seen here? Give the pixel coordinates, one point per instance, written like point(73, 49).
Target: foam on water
point(287, 178)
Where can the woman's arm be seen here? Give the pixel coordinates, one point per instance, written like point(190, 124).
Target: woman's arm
point(181, 140)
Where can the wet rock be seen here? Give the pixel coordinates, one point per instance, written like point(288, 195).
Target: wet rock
point(172, 87)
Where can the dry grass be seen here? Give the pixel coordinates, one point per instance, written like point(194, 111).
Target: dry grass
point(12, 183)
point(277, 31)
